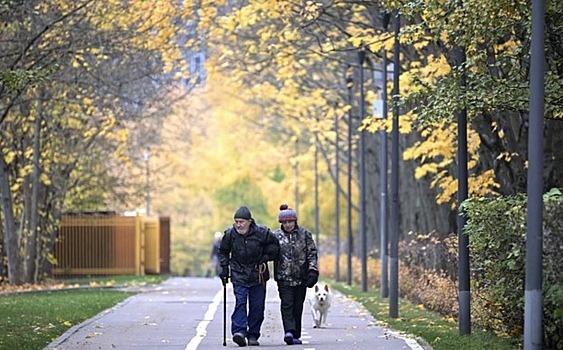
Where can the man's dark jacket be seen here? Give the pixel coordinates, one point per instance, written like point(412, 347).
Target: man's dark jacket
point(244, 254)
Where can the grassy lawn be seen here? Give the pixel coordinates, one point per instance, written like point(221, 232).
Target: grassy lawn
point(440, 333)
point(32, 320)
point(116, 280)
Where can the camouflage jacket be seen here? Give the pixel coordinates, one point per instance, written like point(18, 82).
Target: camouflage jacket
point(298, 255)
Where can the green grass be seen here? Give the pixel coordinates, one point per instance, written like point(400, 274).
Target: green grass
point(32, 320)
point(440, 333)
point(116, 280)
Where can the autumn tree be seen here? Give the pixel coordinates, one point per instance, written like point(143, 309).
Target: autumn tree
point(496, 39)
point(293, 56)
point(83, 69)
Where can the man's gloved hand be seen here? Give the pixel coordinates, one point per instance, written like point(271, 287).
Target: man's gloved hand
point(224, 275)
point(312, 278)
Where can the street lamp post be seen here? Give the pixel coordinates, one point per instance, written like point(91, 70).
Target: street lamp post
point(394, 223)
point(349, 84)
point(337, 200)
point(464, 289)
point(317, 194)
point(380, 79)
point(533, 304)
point(296, 194)
point(363, 189)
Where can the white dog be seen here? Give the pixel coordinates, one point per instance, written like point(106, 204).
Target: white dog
point(320, 305)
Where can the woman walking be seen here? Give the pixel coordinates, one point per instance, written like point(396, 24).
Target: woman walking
point(295, 270)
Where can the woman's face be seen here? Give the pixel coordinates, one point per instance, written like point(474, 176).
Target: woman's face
point(288, 226)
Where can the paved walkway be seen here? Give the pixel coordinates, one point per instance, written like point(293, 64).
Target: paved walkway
point(187, 314)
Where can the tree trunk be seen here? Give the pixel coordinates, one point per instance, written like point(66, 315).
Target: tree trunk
point(10, 233)
point(33, 244)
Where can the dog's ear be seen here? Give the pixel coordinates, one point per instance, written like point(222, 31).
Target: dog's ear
point(316, 288)
point(326, 287)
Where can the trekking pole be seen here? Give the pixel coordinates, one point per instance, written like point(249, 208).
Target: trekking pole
point(224, 314)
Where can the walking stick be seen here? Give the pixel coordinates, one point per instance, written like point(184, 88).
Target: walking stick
point(224, 314)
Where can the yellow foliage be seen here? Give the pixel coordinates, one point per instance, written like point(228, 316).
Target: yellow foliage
point(119, 135)
point(15, 187)
point(507, 47)
point(405, 123)
point(436, 154)
point(9, 156)
point(45, 179)
point(424, 169)
point(427, 73)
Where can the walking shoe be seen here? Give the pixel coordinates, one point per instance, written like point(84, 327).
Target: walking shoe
point(239, 339)
point(253, 342)
point(288, 338)
point(297, 341)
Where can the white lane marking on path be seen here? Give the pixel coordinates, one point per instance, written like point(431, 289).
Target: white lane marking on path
point(201, 329)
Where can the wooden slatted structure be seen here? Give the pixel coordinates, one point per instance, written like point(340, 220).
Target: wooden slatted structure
point(152, 245)
point(101, 245)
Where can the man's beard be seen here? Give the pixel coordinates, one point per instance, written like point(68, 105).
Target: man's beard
point(241, 231)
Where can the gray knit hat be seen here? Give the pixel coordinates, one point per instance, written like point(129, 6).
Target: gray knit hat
point(243, 213)
point(287, 214)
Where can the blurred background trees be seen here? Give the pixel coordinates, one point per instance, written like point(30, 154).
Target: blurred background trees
point(227, 102)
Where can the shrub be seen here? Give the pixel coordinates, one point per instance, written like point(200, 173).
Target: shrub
point(497, 236)
point(497, 231)
point(428, 272)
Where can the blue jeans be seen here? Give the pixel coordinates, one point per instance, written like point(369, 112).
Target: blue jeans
point(248, 323)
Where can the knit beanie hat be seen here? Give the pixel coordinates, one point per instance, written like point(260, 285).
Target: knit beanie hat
point(287, 214)
point(243, 213)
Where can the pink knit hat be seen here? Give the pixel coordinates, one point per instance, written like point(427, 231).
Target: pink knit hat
point(287, 214)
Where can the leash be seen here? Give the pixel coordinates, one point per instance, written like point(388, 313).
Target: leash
point(261, 270)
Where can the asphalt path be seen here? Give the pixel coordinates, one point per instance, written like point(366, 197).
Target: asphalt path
point(186, 313)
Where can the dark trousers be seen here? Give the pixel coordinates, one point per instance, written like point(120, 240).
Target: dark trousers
point(248, 322)
point(292, 299)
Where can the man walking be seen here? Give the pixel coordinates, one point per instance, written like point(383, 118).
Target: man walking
point(245, 250)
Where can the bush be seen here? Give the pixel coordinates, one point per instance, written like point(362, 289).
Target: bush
point(497, 236)
point(428, 272)
point(421, 280)
point(497, 231)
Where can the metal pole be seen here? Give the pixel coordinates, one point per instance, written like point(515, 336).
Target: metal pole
point(394, 222)
point(224, 314)
point(337, 200)
point(533, 304)
point(349, 82)
point(317, 195)
point(384, 290)
point(363, 189)
point(296, 206)
point(464, 321)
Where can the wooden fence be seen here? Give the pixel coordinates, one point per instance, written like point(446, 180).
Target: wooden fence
point(107, 244)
